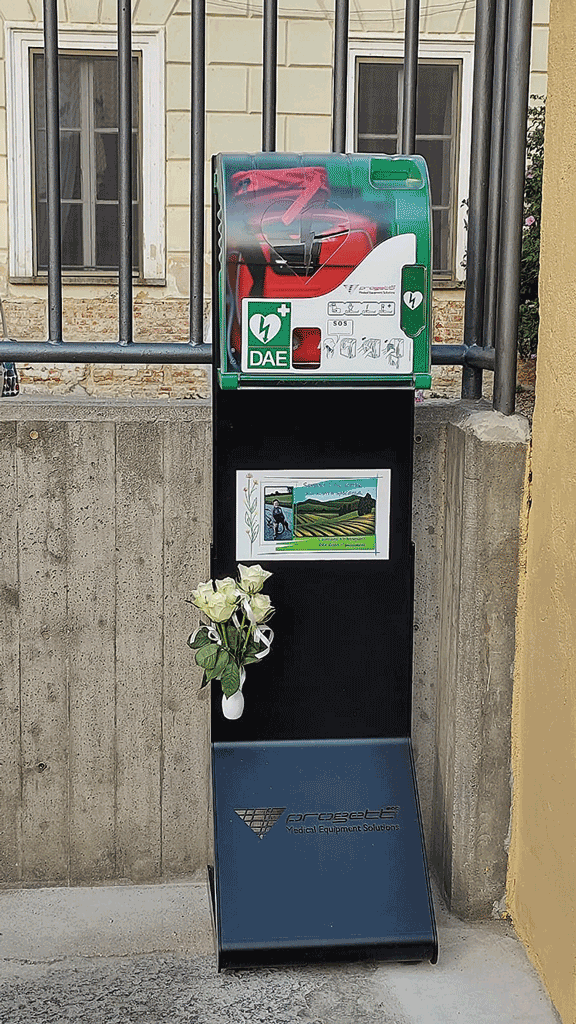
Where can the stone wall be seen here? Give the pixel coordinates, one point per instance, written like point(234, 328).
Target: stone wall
point(447, 329)
point(96, 319)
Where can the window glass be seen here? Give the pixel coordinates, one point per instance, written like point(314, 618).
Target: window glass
point(88, 87)
point(378, 90)
point(434, 105)
point(107, 234)
point(68, 90)
point(106, 158)
point(106, 92)
point(437, 154)
point(72, 239)
point(379, 85)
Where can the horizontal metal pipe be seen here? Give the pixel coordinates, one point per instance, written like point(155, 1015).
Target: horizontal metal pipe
point(463, 355)
point(448, 355)
point(103, 352)
point(481, 357)
point(184, 353)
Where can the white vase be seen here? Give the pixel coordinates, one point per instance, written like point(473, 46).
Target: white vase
point(232, 707)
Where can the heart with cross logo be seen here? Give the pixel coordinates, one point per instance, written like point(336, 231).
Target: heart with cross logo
point(265, 328)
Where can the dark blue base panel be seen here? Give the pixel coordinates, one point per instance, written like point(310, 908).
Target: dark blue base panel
point(319, 853)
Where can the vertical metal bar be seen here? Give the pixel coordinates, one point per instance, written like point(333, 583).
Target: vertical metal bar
point(340, 75)
point(269, 74)
point(478, 192)
point(53, 170)
point(411, 26)
point(495, 180)
point(197, 152)
point(88, 163)
point(513, 170)
point(125, 170)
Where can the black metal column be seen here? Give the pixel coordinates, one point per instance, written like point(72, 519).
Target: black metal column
point(339, 77)
point(478, 192)
point(409, 93)
point(197, 155)
point(513, 170)
point(495, 182)
point(269, 74)
point(53, 171)
point(125, 170)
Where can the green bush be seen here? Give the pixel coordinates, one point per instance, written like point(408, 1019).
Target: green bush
point(529, 316)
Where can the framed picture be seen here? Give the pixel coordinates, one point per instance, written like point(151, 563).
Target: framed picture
point(335, 514)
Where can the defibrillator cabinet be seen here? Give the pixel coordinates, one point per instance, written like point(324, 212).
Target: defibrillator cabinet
point(321, 328)
point(324, 269)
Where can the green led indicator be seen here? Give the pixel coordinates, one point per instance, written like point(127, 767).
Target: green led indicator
point(413, 310)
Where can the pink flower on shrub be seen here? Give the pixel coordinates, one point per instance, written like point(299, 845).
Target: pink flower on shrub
point(530, 221)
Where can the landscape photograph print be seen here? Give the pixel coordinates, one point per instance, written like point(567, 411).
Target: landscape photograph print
point(347, 509)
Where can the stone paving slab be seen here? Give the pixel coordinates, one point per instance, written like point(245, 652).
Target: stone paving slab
point(113, 955)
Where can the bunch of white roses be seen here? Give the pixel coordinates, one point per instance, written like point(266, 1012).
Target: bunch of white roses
point(238, 636)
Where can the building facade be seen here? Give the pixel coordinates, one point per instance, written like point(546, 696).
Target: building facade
point(161, 115)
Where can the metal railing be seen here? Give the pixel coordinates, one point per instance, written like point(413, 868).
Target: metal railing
point(499, 119)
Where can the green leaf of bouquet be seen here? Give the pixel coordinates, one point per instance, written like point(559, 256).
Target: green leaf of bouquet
point(205, 681)
point(230, 679)
point(200, 640)
point(231, 632)
point(221, 663)
point(250, 659)
point(207, 655)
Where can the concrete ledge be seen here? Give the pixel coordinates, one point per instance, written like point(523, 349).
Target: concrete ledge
point(88, 410)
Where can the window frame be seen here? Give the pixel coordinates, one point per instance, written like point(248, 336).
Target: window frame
point(449, 51)
point(148, 45)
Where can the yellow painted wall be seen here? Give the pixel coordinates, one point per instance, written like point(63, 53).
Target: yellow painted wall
point(542, 867)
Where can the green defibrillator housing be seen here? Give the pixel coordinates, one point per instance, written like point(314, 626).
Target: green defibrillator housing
point(324, 269)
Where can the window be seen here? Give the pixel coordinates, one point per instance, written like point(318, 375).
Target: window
point(89, 154)
point(441, 133)
point(88, 91)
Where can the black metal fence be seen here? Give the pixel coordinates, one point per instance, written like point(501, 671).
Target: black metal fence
point(499, 116)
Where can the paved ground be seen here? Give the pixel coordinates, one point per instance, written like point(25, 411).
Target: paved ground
point(121, 954)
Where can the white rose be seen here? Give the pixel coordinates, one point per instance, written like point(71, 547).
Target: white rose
point(228, 588)
point(217, 605)
point(201, 596)
point(260, 608)
point(252, 578)
point(218, 608)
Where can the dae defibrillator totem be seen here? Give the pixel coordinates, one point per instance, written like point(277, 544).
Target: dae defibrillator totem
point(321, 327)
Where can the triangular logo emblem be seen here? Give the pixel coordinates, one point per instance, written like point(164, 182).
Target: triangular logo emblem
point(260, 819)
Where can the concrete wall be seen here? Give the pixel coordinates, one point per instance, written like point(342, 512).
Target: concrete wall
point(103, 742)
point(542, 873)
point(103, 738)
point(484, 475)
